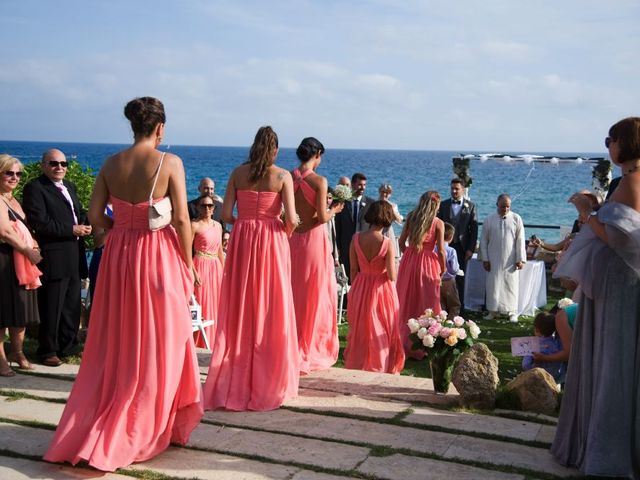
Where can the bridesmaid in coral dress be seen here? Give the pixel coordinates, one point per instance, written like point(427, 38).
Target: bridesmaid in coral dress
point(208, 263)
point(313, 279)
point(255, 361)
point(421, 267)
point(138, 388)
point(373, 342)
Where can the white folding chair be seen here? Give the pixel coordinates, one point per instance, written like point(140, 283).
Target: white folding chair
point(197, 323)
point(342, 282)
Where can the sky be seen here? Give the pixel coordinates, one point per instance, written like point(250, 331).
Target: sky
point(491, 75)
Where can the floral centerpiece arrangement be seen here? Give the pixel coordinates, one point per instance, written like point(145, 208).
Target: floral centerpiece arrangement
point(443, 341)
point(342, 193)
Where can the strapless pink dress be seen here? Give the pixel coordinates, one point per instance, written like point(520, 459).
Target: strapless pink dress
point(209, 267)
point(255, 362)
point(418, 285)
point(315, 293)
point(373, 342)
point(138, 388)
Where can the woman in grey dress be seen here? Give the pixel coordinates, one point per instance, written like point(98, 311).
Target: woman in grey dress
point(599, 425)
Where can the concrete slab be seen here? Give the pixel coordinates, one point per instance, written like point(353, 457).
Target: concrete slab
point(39, 386)
point(531, 416)
point(28, 410)
point(185, 463)
point(323, 401)
point(24, 440)
point(277, 447)
point(65, 370)
point(309, 475)
point(547, 434)
point(339, 429)
point(468, 422)
point(402, 467)
point(503, 453)
point(22, 469)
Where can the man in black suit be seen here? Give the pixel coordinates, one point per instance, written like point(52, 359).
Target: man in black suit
point(461, 213)
point(351, 219)
point(55, 214)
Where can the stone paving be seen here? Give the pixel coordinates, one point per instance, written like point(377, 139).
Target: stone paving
point(344, 424)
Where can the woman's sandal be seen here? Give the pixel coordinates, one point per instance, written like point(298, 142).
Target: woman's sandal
point(8, 372)
point(19, 359)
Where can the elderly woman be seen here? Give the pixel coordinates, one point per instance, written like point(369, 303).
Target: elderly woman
point(18, 275)
point(598, 428)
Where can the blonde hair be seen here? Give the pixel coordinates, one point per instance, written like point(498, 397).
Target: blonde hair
point(7, 161)
point(420, 219)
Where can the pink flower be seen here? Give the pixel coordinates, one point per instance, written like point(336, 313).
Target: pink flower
point(458, 321)
point(434, 330)
point(445, 332)
point(443, 315)
point(462, 333)
point(424, 322)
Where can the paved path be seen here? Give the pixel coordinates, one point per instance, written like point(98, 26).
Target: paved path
point(344, 424)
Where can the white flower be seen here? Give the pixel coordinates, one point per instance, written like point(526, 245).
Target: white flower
point(428, 312)
point(421, 333)
point(443, 315)
point(413, 325)
point(474, 331)
point(428, 341)
point(458, 321)
point(461, 333)
point(564, 303)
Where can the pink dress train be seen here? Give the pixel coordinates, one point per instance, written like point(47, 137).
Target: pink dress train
point(315, 296)
point(373, 341)
point(418, 285)
point(209, 267)
point(138, 388)
point(254, 365)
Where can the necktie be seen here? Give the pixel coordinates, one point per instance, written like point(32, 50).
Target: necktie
point(67, 197)
point(355, 211)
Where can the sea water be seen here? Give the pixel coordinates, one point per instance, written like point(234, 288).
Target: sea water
point(539, 191)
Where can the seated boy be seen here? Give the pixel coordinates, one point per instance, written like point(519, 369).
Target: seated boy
point(449, 299)
point(545, 327)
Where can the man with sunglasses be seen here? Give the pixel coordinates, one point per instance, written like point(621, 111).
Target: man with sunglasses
point(60, 225)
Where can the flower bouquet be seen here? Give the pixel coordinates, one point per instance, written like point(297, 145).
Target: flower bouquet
point(443, 341)
point(342, 194)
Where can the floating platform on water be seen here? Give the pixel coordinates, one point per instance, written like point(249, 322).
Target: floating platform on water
point(483, 157)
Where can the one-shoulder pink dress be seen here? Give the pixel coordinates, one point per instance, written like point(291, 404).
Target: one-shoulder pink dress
point(138, 388)
point(418, 285)
point(315, 296)
point(255, 361)
point(206, 244)
point(373, 341)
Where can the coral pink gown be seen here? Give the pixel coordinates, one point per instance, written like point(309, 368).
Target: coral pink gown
point(373, 342)
point(314, 287)
point(206, 244)
point(138, 388)
point(418, 285)
point(255, 361)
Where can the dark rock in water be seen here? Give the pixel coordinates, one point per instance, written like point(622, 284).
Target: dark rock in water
point(476, 377)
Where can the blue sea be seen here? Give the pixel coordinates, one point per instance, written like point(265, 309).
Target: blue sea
point(539, 191)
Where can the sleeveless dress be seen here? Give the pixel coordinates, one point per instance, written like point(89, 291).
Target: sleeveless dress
point(418, 285)
point(255, 361)
point(209, 267)
point(373, 341)
point(599, 424)
point(138, 388)
point(315, 294)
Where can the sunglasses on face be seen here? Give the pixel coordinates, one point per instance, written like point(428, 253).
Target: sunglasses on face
point(206, 205)
point(608, 141)
point(55, 163)
point(11, 173)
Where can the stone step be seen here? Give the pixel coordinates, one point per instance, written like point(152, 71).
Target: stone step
point(15, 468)
point(45, 387)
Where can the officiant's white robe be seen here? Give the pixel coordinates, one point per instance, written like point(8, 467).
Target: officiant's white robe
point(502, 244)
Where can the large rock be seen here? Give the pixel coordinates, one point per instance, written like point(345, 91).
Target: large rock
point(536, 390)
point(476, 377)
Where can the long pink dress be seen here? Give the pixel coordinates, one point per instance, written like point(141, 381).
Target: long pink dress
point(315, 296)
point(418, 285)
point(206, 244)
point(373, 341)
point(138, 388)
point(255, 361)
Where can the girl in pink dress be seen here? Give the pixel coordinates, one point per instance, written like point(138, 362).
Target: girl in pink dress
point(208, 262)
point(138, 388)
point(255, 361)
point(421, 267)
point(313, 279)
point(373, 342)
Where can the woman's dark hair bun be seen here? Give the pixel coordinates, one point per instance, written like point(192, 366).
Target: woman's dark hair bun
point(144, 113)
point(308, 148)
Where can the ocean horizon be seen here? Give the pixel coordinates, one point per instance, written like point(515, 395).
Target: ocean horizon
point(539, 190)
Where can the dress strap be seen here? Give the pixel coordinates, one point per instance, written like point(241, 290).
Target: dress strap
point(155, 178)
point(307, 190)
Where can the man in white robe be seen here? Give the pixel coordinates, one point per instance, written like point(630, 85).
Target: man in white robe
point(502, 251)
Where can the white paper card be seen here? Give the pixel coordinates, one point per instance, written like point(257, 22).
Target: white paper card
point(523, 346)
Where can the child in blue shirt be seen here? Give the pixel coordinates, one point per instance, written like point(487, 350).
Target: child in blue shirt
point(449, 298)
point(545, 327)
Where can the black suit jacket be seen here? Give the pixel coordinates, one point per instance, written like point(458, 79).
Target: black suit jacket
point(346, 227)
point(50, 217)
point(466, 224)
